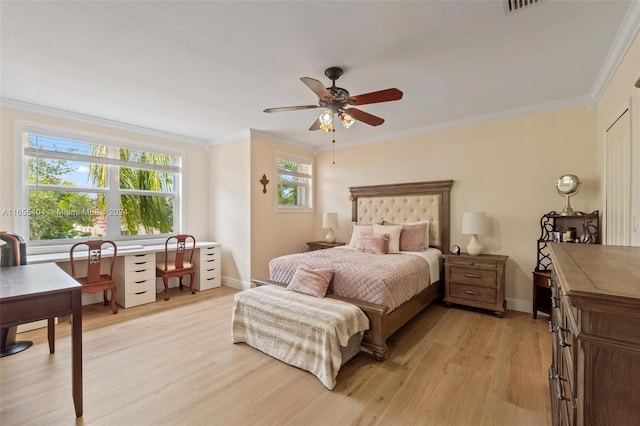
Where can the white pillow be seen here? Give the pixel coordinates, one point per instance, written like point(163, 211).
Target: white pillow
point(394, 235)
point(357, 230)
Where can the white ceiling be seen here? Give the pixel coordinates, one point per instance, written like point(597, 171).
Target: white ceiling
point(206, 70)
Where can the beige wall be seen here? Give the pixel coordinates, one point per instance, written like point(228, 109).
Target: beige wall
point(619, 95)
point(230, 206)
point(506, 168)
point(195, 159)
point(273, 233)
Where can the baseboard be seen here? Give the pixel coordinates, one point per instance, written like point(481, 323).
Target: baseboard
point(520, 305)
point(234, 283)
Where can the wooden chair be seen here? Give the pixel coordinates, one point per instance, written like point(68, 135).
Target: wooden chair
point(179, 268)
point(95, 281)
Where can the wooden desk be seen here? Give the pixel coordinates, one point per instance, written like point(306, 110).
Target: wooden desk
point(43, 291)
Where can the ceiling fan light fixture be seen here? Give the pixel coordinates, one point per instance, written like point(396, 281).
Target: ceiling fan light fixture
point(346, 119)
point(326, 120)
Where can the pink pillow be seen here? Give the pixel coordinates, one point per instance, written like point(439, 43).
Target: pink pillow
point(313, 282)
point(413, 236)
point(374, 243)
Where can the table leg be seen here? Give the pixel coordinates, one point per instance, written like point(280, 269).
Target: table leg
point(76, 350)
point(51, 332)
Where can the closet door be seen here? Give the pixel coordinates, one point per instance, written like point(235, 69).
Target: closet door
point(617, 218)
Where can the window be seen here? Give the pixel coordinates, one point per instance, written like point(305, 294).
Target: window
point(295, 178)
point(78, 187)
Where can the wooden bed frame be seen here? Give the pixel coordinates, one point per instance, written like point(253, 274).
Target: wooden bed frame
point(386, 201)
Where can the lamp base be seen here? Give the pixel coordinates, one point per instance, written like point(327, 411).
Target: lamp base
point(330, 237)
point(474, 248)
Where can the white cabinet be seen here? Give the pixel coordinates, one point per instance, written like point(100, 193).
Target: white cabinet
point(136, 279)
point(207, 264)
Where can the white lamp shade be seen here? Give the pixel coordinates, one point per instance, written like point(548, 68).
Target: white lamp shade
point(474, 223)
point(330, 220)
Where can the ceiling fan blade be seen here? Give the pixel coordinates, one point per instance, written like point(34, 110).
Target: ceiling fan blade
point(365, 117)
point(375, 97)
point(291, 108)
point(317, 87)
point(315, 125)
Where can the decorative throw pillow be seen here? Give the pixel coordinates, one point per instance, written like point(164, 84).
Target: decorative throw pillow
point(373, 243)
point(357, 230)
point(409, 238)
point(394, 235)
point(313, 282)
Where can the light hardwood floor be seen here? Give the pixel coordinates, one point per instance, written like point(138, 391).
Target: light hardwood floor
point(173, 363)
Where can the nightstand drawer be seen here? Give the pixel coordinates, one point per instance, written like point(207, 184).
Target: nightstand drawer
point(472, 292)
point(476, 263)
point(474, 276)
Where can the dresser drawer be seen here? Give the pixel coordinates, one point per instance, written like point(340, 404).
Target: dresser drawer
point(472, 292)
point(474, 276)
point(476, 263)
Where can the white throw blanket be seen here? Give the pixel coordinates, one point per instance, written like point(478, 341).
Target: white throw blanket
point(301, 330)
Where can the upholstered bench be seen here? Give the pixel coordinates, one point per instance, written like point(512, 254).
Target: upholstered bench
point(315, 334)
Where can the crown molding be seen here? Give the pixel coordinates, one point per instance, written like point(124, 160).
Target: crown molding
point(83, 118)
point(626, 34)
point(485, 118)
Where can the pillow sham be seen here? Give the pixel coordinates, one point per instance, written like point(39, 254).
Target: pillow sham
point(313, 282)
point(359, 229)
point(409, 240)
point(373, 243)
point(394, 235)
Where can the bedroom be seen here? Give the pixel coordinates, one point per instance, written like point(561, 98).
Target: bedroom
point(505, 166)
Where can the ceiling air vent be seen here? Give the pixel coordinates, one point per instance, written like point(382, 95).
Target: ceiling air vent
point(514, 5)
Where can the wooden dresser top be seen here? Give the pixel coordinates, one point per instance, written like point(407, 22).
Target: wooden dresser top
point(598, 277)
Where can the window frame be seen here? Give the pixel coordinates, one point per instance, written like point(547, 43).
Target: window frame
point(21, 197)
point(309, 196)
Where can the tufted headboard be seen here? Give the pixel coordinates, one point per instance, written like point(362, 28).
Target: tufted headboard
point(406, 202)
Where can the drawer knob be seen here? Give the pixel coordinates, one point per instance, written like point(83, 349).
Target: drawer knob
point(559, 389)
point(472, 275)
point(563, 341)
point(475, 293)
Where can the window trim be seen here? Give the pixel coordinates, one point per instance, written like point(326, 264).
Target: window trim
point(21, 194)
point(281, 155)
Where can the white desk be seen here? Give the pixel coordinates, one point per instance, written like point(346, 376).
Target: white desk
point(135, 270)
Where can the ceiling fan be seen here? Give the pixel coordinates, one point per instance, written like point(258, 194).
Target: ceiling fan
point(336, 100)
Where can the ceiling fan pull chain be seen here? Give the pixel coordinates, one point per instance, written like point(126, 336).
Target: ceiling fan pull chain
point(334, 146)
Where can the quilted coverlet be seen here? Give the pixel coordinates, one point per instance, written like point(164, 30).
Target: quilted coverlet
point(301, 330)
point(385, 279)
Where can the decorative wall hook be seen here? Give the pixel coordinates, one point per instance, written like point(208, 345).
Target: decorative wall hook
point(264, 181)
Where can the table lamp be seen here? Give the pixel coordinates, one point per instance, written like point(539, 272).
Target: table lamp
point(330, 221)
point(474, 223)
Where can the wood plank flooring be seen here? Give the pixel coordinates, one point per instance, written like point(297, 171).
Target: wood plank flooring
point(173, 363)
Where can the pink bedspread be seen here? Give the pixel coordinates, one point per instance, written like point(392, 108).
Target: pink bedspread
point(385, 279)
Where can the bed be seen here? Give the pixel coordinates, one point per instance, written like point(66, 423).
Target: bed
point(399, 204)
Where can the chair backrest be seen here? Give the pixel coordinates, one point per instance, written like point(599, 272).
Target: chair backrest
point(180, 246)
point(14, 251)
point(94, 259)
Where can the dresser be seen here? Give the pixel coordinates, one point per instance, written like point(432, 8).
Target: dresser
point(594, 376)
point(476, 281)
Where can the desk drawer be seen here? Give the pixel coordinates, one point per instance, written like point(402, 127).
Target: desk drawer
point(135, 299)
point(474, 276)
point(209, 282)
point(140, 275)
point(136, 261)
point(209, 252)
point(139, 286)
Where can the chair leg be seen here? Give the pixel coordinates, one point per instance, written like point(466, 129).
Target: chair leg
point(104, 297)
point(165, 281)
point(193, 290)
point(114, 291)
point(180, 280)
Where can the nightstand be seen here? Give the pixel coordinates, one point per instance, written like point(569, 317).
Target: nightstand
point(476, 281)
point(321, 245)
